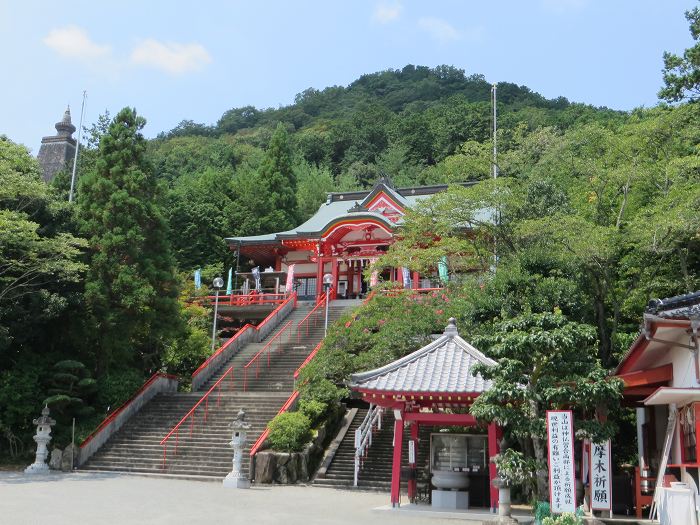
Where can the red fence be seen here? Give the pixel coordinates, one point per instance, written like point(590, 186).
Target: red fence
point(266, 350)
point(158, 382)
point(191, 415)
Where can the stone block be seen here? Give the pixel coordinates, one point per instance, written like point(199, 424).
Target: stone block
point(265, 467)
point(66, 465)
point(56, 459)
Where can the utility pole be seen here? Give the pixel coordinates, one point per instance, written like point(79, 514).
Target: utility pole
point(77, 147)
point(495, 128)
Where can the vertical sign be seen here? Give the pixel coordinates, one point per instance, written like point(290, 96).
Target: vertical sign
point(562, 478)
point(601, 494)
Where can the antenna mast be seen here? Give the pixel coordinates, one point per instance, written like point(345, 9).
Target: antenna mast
point(495, 128)
point(77, 147)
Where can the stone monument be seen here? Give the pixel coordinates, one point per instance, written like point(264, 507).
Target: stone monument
point(57, 152)
point(236, 479)
point(42, 438)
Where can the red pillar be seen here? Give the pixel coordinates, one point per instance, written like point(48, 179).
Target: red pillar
point(415, 279)
point(412, 485)
point(396, 466)
point(319, 276)
point(495, 434)
point(334, 272)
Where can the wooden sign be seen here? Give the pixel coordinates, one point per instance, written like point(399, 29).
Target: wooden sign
point(601, 476)
point(562, 477)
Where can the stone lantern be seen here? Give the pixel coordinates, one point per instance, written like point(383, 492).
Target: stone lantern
point(42, 438)
point(235, 479)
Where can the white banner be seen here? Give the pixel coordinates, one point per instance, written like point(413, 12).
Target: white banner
point(562, 477)
point(601, 476)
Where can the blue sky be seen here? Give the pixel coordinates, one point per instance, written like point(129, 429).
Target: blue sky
point(194, 60)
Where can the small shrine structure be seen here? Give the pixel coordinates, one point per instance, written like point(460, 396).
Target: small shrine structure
point(432, 386)
point(661, 375)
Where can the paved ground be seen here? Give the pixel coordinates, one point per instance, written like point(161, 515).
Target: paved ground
point(91, 498)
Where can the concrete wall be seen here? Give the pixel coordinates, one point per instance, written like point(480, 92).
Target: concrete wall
point(157, 384)
point(249, 334)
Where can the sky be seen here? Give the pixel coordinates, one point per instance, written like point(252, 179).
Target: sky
point(175, 60)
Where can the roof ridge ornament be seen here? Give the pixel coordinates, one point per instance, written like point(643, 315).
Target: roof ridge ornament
point(451, 328)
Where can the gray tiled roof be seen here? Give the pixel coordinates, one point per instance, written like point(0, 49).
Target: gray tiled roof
point(445, 365)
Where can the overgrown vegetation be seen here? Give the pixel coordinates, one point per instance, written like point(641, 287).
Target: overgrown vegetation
point(595, 212)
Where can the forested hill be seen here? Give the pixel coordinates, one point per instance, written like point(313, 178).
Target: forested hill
point(425, 113)
point(418, 125)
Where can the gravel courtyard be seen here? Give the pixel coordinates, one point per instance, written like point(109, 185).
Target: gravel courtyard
point(90, 498)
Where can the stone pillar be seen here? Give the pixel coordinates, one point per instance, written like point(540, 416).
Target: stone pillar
point(42, 438)
point(235, 479)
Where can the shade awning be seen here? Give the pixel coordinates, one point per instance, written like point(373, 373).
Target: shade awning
point(667, 395)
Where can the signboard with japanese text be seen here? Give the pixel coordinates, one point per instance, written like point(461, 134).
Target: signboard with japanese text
point(562, 477)
point(601, 477)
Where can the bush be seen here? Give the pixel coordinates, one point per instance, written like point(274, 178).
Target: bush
point(313, 409)
point(564, 519)
point(289, 432)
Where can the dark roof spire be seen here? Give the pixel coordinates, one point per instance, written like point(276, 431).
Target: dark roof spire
point(65, 127)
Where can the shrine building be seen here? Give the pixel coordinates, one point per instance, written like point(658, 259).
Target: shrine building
point(661, 376)
point(348, 232)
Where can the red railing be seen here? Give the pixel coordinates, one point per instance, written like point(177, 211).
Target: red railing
point(192, 413)
point(259, 442)
point(245, 300)
point(106, 421)
point(222, 348)
point(307, 320)
point(308, 359)
point(266, 349)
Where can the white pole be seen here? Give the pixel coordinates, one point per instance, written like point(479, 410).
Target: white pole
point(325, 326)
point(495, 128)
point(216, 313)
point(77, 147)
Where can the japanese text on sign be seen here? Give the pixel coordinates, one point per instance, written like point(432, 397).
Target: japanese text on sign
point(562, 480)
point(600, 476)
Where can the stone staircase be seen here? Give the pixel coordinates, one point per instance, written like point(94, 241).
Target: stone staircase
point(376, 470)
point(202, 448)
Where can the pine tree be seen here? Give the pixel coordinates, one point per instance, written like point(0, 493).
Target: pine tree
point(130, 288)
point(279, 183)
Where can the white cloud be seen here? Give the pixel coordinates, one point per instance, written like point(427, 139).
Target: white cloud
point(74, 42)
point(386, 12)
point(170, 57)
point(563, 6)
point(439, 29)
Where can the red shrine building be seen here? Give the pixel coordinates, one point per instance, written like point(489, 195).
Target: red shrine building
point(348, 232)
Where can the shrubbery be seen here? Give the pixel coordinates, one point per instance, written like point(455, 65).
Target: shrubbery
point(289, 431)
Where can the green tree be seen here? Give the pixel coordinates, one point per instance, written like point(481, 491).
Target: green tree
point(312, 187)
point(130, 289)
point(544, 362)
point(681, 75)
point(279, 182)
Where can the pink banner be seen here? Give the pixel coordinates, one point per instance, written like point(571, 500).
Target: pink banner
point(289, 285)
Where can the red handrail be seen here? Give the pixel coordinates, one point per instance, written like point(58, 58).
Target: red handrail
point(292, 297)
point(256, 358)
point(261, 439)
point(308, 359)
point(223, 347)
point(204, 399)
point(321, 300)
point(106, 421)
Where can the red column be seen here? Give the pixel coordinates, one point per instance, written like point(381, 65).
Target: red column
point(415, 278)
point(412, 485)
point(396, 466)
point(319, 276)
point(334, 272)
point(495, 434)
